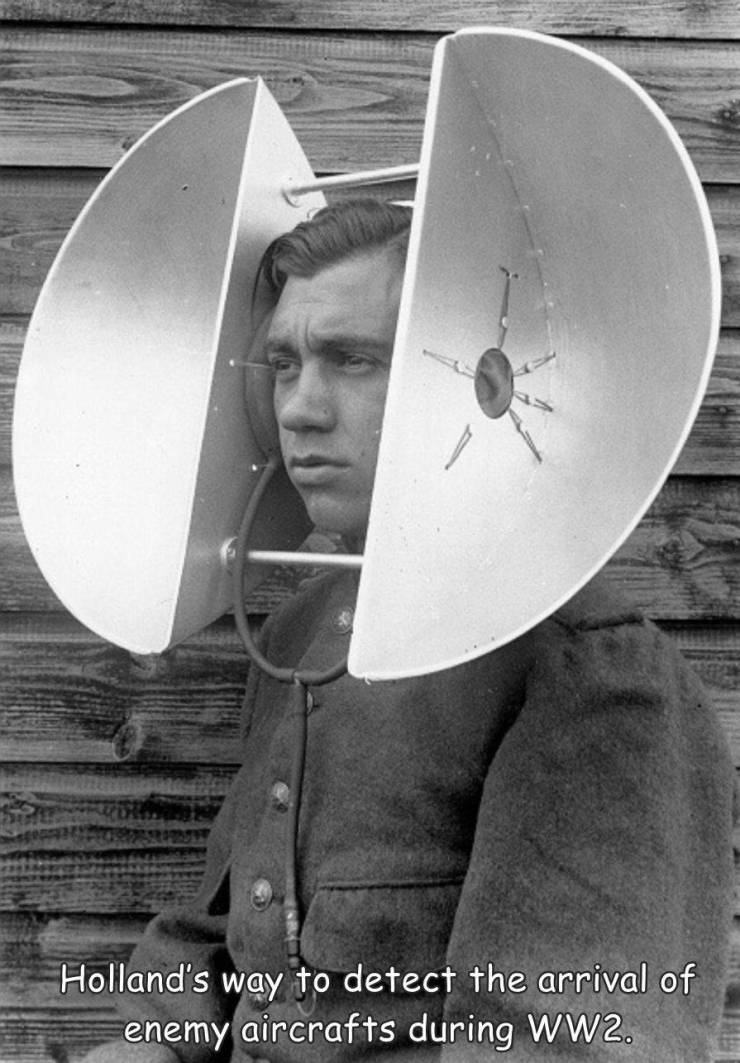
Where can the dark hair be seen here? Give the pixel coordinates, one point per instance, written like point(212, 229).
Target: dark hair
point(345, 229)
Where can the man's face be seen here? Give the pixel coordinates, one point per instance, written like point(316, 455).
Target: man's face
point(330, 343)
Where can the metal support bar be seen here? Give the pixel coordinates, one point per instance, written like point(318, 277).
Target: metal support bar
point(294, 190)
point(288, 557)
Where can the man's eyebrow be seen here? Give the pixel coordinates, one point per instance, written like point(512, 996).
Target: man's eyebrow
point(278, 345)
point(330, 345)
point(341, 344)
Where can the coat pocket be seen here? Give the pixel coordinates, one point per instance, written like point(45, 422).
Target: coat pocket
point(404, 925)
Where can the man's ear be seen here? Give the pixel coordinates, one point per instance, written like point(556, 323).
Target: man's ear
point(258, 392)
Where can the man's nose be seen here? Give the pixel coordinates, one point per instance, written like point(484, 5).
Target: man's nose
point(306, 402)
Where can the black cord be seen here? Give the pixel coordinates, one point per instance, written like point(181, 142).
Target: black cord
point(287, 674)
point(300, 681)
point(291, 905)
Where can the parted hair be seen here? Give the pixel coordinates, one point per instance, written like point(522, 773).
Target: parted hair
point(337, 232)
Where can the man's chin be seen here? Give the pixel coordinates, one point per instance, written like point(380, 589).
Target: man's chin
point(336, 518)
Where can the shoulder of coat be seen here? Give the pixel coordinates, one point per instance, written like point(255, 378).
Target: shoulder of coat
point(599, 604)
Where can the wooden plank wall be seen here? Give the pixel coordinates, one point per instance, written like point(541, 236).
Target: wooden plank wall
point(114, 765)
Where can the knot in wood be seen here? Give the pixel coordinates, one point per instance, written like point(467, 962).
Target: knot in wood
point(730, 113)
point(128, 740)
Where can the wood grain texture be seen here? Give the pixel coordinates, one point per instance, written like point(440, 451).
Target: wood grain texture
point(29, 1036)
point(683, 556)
point(80, 97)
point(653, 18)
point(86, 839)
point(44, 942)
point(67, 697)
point(713, 447)
point(82, 839)
point(681, 563)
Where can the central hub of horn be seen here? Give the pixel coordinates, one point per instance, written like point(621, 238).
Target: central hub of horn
point(494, 382)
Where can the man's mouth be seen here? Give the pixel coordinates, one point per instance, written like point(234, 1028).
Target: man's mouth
point(312, 468)
point(308, 461)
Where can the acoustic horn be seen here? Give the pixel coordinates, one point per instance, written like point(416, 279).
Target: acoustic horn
point(133, 457)
point(558, 320)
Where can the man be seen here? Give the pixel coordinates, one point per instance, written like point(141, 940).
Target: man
point(542, 832)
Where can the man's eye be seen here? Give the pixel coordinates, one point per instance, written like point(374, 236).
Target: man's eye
point(283, 366)
point(357, 363)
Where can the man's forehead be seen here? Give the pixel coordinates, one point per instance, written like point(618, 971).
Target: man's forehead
point(355, 300)
point(377, 274)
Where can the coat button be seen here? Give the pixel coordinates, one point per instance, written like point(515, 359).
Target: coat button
point(258, 1001)
point(280, 796)
point(342, 620)
point(260, 894)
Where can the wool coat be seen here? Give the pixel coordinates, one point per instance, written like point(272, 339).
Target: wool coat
point(543, 831)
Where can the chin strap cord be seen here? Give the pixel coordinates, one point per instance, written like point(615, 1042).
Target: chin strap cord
point(300, 682)
point(291, 904)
